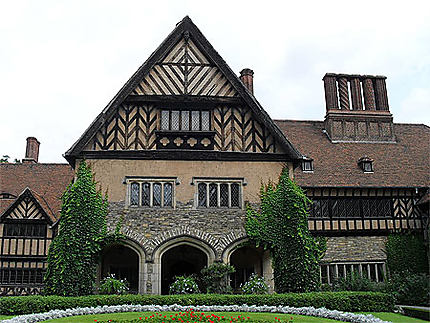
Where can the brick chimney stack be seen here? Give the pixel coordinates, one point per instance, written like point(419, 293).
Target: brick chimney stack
point(31, 151)
point(247, 78)
point(357, 108)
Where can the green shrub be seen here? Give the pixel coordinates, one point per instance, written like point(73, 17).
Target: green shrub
point(215, 278)
point(406, 251)
point(184, 285)
point(409, 288)
point(74, 253)
point(255, 285)
point(281, 225)
point(112, 286)
point(342, 301)
point(353, 282)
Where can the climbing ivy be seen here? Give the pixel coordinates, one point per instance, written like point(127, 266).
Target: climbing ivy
point(406, 251)
point(281, 226)
point(74, 252)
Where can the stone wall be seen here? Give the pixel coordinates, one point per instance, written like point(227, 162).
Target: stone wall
point(358, 248)
point(150, 227)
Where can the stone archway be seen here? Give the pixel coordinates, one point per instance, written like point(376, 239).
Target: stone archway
point(178, 261)
point(246, 260)
point(124, 262)
point(180, 255)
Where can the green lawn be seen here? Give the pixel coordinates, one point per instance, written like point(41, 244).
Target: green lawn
point(4, 317)
point(258, 317)
point(395, 318)
point(268, 317)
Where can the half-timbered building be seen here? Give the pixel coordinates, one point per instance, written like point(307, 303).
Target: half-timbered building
point(365, 174)
point(184, 147)
point(29, 211)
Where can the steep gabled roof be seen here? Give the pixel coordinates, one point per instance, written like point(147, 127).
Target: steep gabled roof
point(47, 183)
point(405, 163)
point(39, 204)
point(186, 26)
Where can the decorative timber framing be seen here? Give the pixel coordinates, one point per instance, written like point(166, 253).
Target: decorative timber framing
point(367, 211)
point(144, 86)
point(26, 232)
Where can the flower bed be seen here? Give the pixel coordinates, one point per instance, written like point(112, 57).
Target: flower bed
point(309, 311)
point(341, 301)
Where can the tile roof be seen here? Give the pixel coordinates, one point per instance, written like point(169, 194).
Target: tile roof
point(46, 181)
point(405, 163)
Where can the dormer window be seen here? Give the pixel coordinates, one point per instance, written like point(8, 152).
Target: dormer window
point(185, 120)
point(366, 164)
point(307, 165)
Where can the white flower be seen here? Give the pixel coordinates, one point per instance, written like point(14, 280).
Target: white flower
point(309, 311)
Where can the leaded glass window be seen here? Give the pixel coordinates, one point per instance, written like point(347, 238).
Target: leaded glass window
point(168, 194)
point(235, 199)
point(26, 229)
point(156, 197)
point(205, 121)
point(222, 194)
point(213, 198)
point(185, 120)
point(202, 194)
point(146, 197)
point(352, 207)
point(174, 120)
point(134, 196)
point(152, 193)
point(195, 120)
point(164, 120)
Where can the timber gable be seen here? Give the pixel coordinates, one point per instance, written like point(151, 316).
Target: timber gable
point(28, 206)
point(185, 74)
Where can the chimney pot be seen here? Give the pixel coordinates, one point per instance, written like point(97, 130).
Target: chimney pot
point(32, 150)
point(247, 78)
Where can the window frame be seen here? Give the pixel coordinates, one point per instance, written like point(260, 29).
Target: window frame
point(190, 110)
point(329, 271)
point(367, 163)
point(310, 162)
point(208, 181)
point(363, 161)
point(151, 180)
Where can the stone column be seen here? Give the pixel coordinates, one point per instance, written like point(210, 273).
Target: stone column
point(369, 94)
point(381, 95)
point(357, 101)
point(343, 93)
point(330, 92)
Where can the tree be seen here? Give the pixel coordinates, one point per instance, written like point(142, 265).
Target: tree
point(74, 252)
point(281, 225)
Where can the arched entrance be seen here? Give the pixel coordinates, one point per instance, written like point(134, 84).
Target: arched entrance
point(123, 262)
point(246, 260)
point(180, 260)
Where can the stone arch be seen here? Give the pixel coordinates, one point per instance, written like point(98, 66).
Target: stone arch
point(132, 252)
point(154, 243)
point(189, 242)
point(225, 256)
point(247, 259)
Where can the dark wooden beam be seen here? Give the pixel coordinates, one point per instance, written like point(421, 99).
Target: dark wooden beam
point(183, 100)
point(169, 154)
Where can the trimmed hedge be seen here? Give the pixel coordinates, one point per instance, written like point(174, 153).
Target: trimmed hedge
point(341, 301)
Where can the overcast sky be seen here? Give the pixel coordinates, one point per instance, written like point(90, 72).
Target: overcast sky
point(61, 62)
